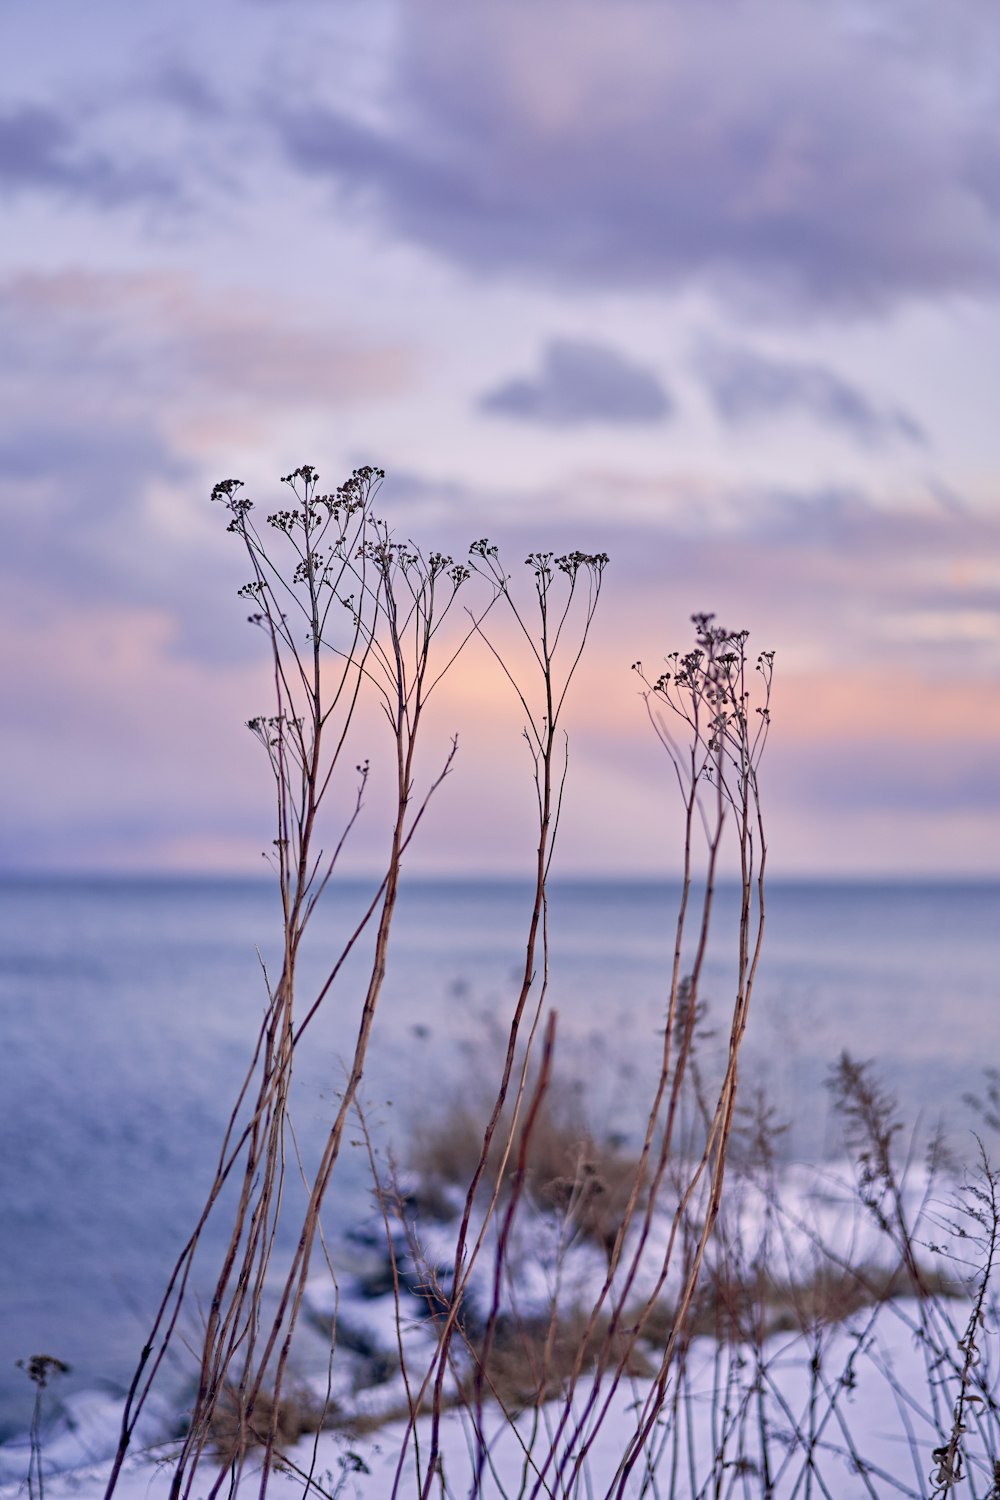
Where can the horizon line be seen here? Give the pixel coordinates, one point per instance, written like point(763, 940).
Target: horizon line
point(149, 874)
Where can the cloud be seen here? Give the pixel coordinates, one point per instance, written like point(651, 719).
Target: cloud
point(831, 574)
point(778, 152)
point(747, 387)
point(187, 89)
point(110, 732)
point(40, 151)
point(582, 382)
point(886, 741)
point(156, 332)
point(111, 345)
point(116, 392)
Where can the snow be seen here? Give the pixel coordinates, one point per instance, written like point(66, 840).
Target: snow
point(864, 1426)
point(861, 1405)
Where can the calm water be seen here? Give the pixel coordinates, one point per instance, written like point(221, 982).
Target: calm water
point(128, 1007)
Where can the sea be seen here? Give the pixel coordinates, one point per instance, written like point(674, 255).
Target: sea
point(130, 1007)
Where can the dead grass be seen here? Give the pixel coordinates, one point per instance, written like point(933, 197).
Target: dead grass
point(571, 1173)
point(750, 1310)
point(299, 1413)
point(531, 1360)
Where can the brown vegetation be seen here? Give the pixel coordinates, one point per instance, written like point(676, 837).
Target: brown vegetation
point(672, 1260)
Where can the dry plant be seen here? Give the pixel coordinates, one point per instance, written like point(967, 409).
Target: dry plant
point(40, 1369)
point(695, 1305)
point(698, 1299)
point(702, 711)
point(796, 1331)
point(346, 609)
point(554, 627)
point(813, 1289)
point(971, 1407)
point(571, 1167)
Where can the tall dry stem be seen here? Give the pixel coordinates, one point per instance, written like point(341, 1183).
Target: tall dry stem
point(346, 609)
point(554, 629)
point(702, 711)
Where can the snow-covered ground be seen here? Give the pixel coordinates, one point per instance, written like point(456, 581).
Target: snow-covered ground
point(875, 1435)
point(850, 1407)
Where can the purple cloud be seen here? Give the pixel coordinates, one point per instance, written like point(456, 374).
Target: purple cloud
point(782, 153)
point(745, 387)
point(582, 382)
point(40, 151)
point(187, 89)
point(854, 580)
point(104, 380)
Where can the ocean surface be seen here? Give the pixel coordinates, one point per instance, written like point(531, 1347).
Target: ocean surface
point(129, 1009)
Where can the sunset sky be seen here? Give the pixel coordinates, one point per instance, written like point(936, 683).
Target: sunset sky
point(711, 286)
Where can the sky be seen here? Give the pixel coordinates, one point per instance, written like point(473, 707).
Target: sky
point(711, 286)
